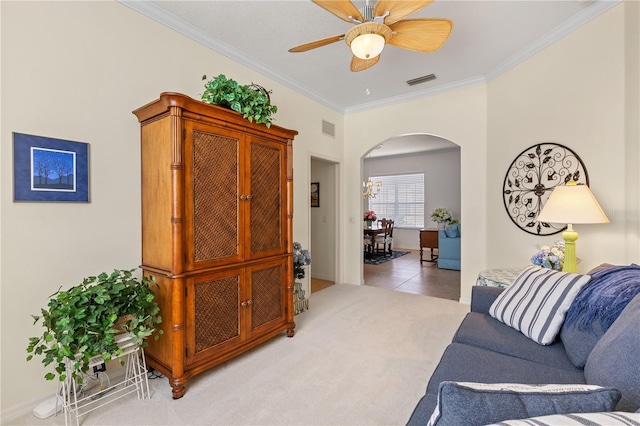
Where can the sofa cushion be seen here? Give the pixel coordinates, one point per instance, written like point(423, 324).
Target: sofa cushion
point(579, 343)
point(422, 412)
point(596, 307)
point(486, 332)
point(466, 363)
point(537, 301)
point(615, 362)
point(452, 231)
point(615, 418)
point(464, 403)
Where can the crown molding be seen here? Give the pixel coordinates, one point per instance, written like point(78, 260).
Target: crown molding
point(472, 81)
point(154, 12)
point(567, 27)
point(159, 15)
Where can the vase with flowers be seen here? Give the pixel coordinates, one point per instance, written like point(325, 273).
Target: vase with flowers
point(369, 217)
point(301, 258)
point(442, 216)
point(551, 257)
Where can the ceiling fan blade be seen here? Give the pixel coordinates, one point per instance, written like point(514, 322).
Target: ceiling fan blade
point(398, 9)
point(358, 64)
point(317, 43)
point(343, 9)
point(421, 35)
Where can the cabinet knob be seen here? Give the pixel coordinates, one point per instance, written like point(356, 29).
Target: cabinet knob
point(249, 302)
point(244, 304)
point(249, 197)
point(243, 197)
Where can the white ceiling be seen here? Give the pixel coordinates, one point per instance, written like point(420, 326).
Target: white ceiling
point(489, 37)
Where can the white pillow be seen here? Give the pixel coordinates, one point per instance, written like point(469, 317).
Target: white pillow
point(537, 301)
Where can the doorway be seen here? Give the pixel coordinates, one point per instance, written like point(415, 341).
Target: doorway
point(394, 160)
point(323, 223)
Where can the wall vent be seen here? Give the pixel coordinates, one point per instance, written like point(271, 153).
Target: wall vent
point(328, 129)
point(422, 79)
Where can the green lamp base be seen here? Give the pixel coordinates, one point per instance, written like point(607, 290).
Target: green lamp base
point(570, 236)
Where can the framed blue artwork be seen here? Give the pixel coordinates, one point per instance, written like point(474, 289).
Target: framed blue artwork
point(47, 169)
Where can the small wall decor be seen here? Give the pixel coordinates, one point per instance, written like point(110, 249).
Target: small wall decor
point(315, 194)
point(47, 169)
point(530, 179)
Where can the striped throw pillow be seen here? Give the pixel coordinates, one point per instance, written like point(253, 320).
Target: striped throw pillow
point(579, 419)
point(537, 302)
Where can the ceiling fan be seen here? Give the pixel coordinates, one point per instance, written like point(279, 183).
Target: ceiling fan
point(378, 25)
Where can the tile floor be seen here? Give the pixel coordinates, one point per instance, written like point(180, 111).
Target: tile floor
point(408, 275)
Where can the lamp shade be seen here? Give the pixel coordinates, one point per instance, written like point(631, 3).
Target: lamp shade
point(367, 46)
point(571, 204)
point(367, 39)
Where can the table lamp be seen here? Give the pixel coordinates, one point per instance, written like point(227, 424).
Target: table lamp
point(571, 203)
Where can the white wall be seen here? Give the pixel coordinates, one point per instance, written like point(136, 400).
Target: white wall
point(572, 93)
point(76, 70)
point(441, 185)
point(458, 116)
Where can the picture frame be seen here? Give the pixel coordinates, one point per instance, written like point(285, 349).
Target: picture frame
point(315, 194)
point(48, 169)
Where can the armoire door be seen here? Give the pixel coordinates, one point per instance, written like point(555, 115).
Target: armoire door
point(266, 181)
point(267, 296)
point(214, 202)
point(214, 313)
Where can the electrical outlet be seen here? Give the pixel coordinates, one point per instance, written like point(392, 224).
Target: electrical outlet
point(99, 368)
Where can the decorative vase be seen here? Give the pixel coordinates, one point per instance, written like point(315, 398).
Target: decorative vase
point(442, 225)
point(369, 223)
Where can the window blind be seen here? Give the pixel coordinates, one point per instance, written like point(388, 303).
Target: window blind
point(401, 199)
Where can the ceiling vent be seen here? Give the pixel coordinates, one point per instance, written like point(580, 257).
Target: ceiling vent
point(422, 79)
point(328, 128)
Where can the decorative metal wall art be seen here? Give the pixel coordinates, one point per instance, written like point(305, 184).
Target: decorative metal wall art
point(531, 178)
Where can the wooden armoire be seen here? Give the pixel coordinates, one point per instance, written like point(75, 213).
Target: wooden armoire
point(216, 232)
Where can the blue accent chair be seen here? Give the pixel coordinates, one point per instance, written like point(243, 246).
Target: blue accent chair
point(449, 247)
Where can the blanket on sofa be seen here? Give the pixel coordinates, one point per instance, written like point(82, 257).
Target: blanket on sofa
point(604, 297)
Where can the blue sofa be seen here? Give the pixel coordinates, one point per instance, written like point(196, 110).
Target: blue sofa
point(449, 247)
point(485, 350)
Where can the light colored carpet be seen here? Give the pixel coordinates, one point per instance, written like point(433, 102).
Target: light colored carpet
point(361, 356)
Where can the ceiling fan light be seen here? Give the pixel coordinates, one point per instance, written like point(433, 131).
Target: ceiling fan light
point(367, 46)
point(367, 39)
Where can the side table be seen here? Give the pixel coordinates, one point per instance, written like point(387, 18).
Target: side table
point(498, 277)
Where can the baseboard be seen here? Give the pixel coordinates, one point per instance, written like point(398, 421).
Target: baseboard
point(13, 413)
point(323, 277)
point(116, 373)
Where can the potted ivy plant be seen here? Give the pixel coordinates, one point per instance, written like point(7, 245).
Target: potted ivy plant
point(252, 101)
point(83, 321)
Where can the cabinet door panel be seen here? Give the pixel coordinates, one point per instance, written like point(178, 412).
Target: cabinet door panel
point(213, 207)
point(267, 294)
point(213, 314)
point(267, 177)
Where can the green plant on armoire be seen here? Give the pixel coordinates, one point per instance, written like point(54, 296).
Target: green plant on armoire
point(252, 101)
point(83, 321)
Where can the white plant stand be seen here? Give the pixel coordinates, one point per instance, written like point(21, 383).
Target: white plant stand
point(75, 402)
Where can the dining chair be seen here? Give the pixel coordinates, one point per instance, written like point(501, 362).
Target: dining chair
point(385, 239)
